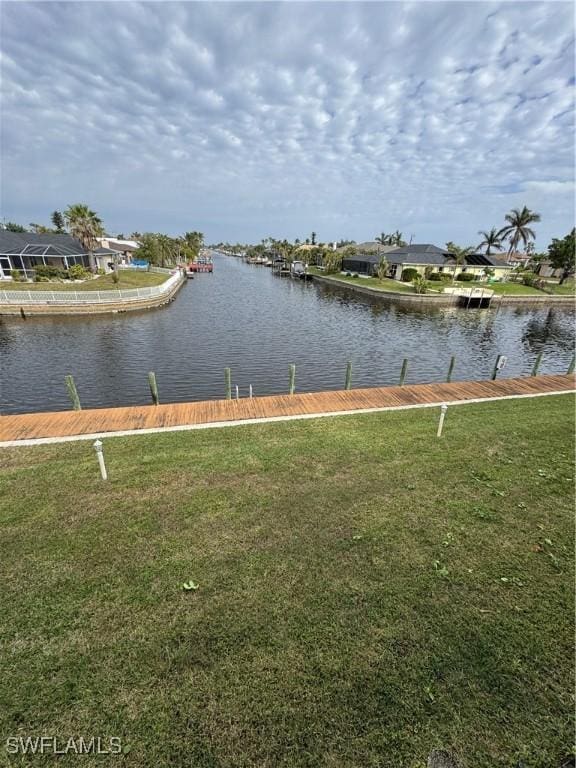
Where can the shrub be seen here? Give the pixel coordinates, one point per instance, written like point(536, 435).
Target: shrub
point(419, 284)
point(465, 277)
point(52, 273)
point(78, 272)
point(409, 274)
point(355, 274)
point(100, 271)
point(529, 279)
point(436, 277)
point(348, 274)
point(15, 274)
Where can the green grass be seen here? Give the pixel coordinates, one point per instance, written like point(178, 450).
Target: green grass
point(508, 289)
point(129, 278)
point(370, 282)
point(568, 288)
point(518, 289)
point(367, 592)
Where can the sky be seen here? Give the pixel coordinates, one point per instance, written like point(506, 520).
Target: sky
point(249, 120)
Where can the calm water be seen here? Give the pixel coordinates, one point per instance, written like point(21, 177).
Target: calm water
point(244, 317)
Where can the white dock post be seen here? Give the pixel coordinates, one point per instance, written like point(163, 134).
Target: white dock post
point(99, 453)
point(250, 390)
point(443, 409)
point(237, 392)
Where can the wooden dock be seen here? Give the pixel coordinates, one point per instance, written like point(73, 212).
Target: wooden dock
point(107, 421)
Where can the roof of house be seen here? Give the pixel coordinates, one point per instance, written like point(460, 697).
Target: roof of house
point(370, 246)
point(487, 260)
point(408, 254)
point(51, 244)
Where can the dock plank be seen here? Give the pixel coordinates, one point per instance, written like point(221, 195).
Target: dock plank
point(29, 426)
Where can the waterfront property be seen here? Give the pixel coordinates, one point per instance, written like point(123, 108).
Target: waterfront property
point(425, 258)
point(366, 591)
point(22, 252)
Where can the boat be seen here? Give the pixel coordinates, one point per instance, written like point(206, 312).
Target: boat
point(299, 271)
point(201, 264)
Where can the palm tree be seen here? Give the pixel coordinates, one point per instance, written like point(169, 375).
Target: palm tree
point(313, 238)
point(383, 239)
point(517, 228)
point(490, 240)
point(85, 226)
point(459, 253)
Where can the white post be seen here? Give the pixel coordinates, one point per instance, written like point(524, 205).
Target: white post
point(443, 409)
point(237, 392)
point(98, 448)
point(250, 390)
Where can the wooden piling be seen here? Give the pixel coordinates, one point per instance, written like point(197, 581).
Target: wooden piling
point(403, 371)
point(348, 382)
point(451, 369)
point(228, 380)
point(153, 387)
point(572, 364)
point(73, 393)
point(536, 364)
point(496, 367)
point(291, 379)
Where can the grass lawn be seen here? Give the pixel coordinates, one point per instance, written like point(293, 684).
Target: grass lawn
point(129, 278)
point(568, 288)
point(369, 282)
point(367, 592)
point(518, 289)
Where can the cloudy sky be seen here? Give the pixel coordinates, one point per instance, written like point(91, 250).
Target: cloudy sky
point(246, 120)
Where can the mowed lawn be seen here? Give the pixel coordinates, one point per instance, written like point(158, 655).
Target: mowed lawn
point(129, 278)
point(367, 592)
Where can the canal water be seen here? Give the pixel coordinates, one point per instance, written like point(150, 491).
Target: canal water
point(257, 323)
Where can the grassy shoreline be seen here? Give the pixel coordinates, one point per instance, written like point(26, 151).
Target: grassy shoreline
point(129, 278)
point(501, 289)
point(367, 592)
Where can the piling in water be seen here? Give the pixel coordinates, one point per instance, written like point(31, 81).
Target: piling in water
point(496, 367)
point(537, 364)
point(451, 368)
point(73, 393)
point(291, 379)
point(572, 364)
point(348, 382)
point(228, 380)
point(153, 387)
point(403, 371)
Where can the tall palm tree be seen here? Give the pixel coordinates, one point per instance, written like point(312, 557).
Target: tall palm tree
point(85, 226)
point(490, 240)
point(383, 238)
point(517, 228)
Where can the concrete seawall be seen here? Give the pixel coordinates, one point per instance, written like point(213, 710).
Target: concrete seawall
point(440, 299)
point(87, 307)
point(444, 299)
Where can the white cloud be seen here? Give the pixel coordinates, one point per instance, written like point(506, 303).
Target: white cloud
point(434, 118)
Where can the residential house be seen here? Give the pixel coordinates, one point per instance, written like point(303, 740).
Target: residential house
point(24, 251)
point(126, 248)
point(424, 258)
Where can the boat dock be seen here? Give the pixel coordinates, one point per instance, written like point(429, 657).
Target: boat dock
point(31, 428)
